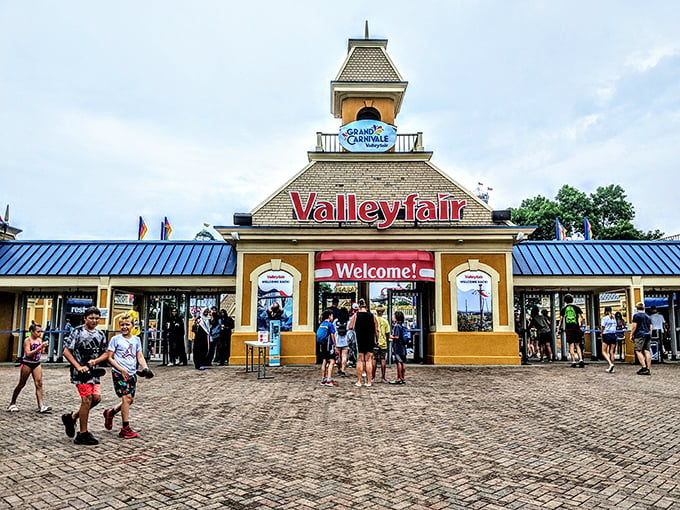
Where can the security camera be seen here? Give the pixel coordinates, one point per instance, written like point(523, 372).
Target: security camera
point(235, 236)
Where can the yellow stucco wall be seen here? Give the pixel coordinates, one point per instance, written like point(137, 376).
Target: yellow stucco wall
point(252, 261)
point(494, 348)
point(296, 347)
point(352, 105)
point(496, 261)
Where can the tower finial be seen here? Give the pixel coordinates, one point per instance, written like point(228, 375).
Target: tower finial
point(366, 30)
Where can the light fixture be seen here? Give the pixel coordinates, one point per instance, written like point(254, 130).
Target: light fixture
point(294, 241)
point(460, 241)
point(519, 237)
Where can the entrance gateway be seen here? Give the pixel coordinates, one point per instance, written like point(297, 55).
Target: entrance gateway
point(372, 217)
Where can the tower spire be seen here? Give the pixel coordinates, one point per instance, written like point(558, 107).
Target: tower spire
point(366, 30)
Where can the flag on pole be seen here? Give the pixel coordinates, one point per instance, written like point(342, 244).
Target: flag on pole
point(167, 228)
point(560, 231)
point(587, 231)
point(142, 229)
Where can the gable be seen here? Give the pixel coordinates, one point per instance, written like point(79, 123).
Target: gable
point(370, 180)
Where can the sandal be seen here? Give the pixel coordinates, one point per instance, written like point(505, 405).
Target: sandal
point(44, 409)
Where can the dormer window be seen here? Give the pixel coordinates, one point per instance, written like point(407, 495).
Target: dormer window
point(368, 113)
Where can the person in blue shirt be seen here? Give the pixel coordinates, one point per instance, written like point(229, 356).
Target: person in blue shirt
point(326, 348)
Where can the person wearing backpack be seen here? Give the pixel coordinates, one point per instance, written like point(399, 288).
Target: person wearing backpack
point(571, 318)
point(539, 322)
point(341, 339)
point(325, 345)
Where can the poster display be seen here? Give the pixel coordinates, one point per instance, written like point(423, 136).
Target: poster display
point(275, 338)
point(475, 311)
point(275, 300)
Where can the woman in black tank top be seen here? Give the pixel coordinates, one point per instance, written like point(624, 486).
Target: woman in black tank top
point(365, 327)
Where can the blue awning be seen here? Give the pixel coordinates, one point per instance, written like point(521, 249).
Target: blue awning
point(117, 258)
point(596, 258)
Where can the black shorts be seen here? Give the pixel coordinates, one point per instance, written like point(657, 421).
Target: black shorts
point(324, 351)
point(124, 386)
point(544, 338)
point(30, 364)
point(609, 338)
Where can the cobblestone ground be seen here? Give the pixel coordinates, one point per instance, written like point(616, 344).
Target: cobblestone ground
point(452, 437)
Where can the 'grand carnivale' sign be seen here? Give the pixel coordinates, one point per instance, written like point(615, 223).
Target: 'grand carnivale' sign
point(347, 209)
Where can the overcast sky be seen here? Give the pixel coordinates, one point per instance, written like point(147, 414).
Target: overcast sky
point(196, 110)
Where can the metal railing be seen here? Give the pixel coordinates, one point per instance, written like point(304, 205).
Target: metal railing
point(408, 142)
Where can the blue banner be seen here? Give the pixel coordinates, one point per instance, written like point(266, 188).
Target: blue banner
point(367, 136)
point(275, 338)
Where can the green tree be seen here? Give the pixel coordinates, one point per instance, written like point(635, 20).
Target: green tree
point(608, 210)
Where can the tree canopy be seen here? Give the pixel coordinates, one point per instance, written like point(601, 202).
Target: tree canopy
point(608, 210)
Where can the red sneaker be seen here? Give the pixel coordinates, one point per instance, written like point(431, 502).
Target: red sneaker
point(127, 433)
point(108, 419)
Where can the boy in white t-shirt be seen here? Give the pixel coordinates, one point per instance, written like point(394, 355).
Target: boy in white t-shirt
point(125, 351)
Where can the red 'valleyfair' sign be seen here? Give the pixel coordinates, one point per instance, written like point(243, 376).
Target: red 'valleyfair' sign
point(360, 265)
point(347, 208)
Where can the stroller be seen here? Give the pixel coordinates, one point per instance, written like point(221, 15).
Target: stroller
point(352, 344)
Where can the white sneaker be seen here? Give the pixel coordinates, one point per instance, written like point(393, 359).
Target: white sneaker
point(171, 364)
point(358, 385)
point(12, 408)
point(44, 409)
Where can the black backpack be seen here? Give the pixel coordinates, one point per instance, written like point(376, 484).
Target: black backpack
point(342, 328)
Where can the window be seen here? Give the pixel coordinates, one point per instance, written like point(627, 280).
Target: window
point(368, 113)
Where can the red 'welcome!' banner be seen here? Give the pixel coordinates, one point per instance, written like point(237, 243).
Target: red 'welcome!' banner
point(389, 266)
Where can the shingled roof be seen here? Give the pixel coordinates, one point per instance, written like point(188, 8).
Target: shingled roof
point(382, 178)
point(367, 60)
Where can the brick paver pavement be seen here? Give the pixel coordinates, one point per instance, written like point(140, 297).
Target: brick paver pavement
point(452, 437)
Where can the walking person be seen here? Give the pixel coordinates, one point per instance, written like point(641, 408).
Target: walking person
point(124, 352)
point(641, 331)
point(342, 340)
point(380, 350)
point(399, 347)
point(214, 337)
point(86, 347)
point(202, 340)
point(175, 328)
point(570, 321)
point(620, 334)
point(540, 324)
point(30, 365)
point(608, 325)
point(325, 343)
point(365, 326)
point(223, 351)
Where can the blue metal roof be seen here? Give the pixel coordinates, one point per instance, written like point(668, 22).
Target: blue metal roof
point(117, 258)
point(596, 258)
